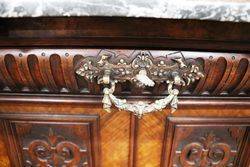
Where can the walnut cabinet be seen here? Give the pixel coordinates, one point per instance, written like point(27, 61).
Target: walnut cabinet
point(52, 116)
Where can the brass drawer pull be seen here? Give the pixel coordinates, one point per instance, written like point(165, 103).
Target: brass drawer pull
point(139, 108)
point(143, 70)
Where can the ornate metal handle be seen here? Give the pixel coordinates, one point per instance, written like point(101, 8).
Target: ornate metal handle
point(143, 70)
point(139, 108)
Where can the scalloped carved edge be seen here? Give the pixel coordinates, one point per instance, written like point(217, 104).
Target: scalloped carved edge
point(52, 71)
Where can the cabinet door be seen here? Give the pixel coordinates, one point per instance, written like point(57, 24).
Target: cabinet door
point(206, 142)
point(52, 140)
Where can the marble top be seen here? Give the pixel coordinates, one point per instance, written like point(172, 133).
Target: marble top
point(220, 10)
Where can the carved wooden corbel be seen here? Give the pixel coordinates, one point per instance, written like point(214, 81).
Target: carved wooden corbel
point(143, 70)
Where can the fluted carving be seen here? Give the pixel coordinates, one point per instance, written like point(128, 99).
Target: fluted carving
point(53, 71)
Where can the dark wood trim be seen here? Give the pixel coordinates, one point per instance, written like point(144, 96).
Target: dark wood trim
point(10, 143)
point(129, 43)
point(202, 101)
point(133, 140)
point(49, 117)
point(245, 151)
point(208, 120)
point(125, 32)
point(168, 135)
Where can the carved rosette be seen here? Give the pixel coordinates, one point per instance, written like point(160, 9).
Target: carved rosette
point(143, 70)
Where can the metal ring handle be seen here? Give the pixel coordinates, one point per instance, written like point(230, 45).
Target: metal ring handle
point(139, 108)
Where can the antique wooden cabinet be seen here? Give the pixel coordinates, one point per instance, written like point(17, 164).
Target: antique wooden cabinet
point(51, 102)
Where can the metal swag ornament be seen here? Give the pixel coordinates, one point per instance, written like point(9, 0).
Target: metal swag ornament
point(143, 71)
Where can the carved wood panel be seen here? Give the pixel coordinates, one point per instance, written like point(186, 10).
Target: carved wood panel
point(194, 142)
point(50, 141)
point(53, 71)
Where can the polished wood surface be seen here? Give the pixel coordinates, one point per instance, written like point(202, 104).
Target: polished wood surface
point(125, 32)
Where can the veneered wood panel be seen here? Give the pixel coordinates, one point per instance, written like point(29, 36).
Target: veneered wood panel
point(150, 134)
point(4, 159)
point(115, 135)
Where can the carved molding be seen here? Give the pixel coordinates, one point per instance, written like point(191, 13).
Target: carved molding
point(53, 71)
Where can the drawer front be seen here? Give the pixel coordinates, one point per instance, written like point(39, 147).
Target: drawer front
point(204, 142)
point(52, 140)
point(45, 80)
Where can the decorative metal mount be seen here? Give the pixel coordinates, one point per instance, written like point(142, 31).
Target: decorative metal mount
point(143, 70)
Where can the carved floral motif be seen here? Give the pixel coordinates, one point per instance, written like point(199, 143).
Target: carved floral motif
point(176, 70)
point(209, 151)
point(143, 70)
point(55, 151)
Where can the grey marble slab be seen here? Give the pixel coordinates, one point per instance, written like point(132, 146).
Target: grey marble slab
point(220, 10)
